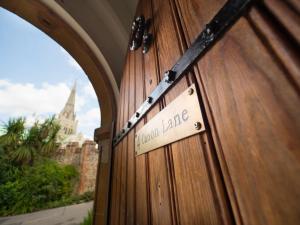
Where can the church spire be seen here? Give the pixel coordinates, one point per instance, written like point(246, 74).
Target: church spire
point(69, 108)
point(67, 118)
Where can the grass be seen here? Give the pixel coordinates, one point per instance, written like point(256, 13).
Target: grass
point(88, 219)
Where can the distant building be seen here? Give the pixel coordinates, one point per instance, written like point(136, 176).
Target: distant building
point(67, 120)
point(74, 149)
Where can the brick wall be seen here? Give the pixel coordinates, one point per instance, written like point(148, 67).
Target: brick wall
point(85, 159)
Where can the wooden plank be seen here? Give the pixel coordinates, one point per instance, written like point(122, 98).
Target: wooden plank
point(115, 187)
point(142, 203)
point(254, 119)
point(192, 186)
point(278, 43)
point(102, 198)
point(130, 200)
point(286, 15)
point(160, 210)
point(124, 146)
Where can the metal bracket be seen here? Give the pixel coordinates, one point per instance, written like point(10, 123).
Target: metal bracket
point(140, 34)
point(230, 12)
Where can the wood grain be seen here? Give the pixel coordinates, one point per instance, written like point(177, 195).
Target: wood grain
point(116, 168)
point(245, 168)
point(286, 15)
point(254, 111)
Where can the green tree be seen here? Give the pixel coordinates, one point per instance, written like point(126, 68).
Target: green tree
point(23, 145)
point(29, 179)
point(13, 133)
point(49, 131)
point(46, 184)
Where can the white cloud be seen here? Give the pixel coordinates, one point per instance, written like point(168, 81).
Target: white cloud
point(38, 102)
point(71, 61)
point(90, 118)
point(4, 83)
point(89, 91)
point(23, 99)
point(89, 121)
point(31, 119)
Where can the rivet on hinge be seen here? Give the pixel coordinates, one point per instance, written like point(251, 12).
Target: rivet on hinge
point(149, 100)
point(169, 76)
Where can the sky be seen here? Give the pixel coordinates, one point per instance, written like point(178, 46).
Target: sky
point(36, 75)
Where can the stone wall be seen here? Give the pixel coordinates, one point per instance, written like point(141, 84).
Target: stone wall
point(70, 154)
point(85, 159)
point(88, 167)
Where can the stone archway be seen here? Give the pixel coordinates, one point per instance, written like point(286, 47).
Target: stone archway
point(71, 37)
point(64, 33)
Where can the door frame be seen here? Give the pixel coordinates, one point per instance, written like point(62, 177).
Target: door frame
point(59, 25)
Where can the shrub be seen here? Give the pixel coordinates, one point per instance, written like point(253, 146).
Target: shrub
point(29, 180)
point(88, 219)
point(38, 186)
point(23, 145)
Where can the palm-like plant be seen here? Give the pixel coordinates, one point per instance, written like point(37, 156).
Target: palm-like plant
point(24, 145)
point(49, 143)
point(26, 152)
point(13, 133)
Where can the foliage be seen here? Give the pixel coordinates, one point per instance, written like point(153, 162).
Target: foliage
point(29, 179)
point(13, 133)
point(88, 219)
point(74, 199)
point(23, 145)
point(37, 188)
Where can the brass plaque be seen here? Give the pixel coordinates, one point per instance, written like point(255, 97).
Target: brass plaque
point(179, 119)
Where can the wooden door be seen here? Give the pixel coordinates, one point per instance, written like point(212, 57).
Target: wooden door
point(245, 168)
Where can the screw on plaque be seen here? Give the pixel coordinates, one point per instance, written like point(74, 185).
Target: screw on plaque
point(197, 125)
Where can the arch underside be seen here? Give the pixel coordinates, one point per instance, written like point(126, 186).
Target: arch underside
point(50, 22)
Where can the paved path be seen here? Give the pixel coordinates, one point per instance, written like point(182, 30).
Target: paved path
point(68, 215)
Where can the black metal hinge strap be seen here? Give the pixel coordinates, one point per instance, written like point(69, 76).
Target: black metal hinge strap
point(230, 12)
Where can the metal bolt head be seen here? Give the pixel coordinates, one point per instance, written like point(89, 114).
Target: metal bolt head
point(137, 114)
point(208, 30)
point(149, 100)
point(145, 50)
point(191, 91)
point(197, 125)
point(169, 76)
point(128, 124)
